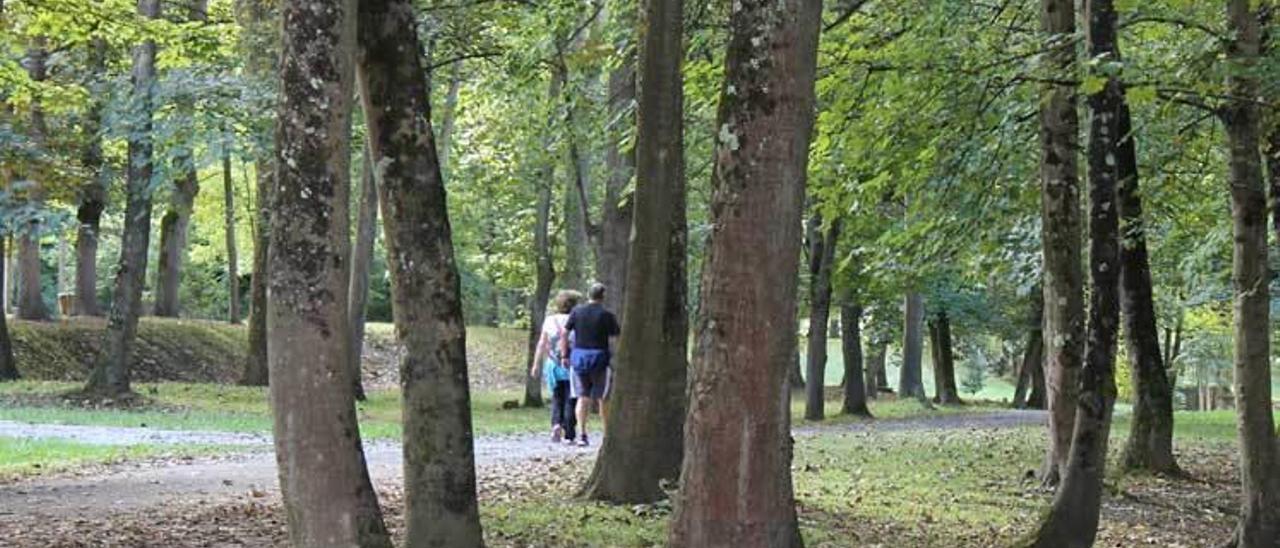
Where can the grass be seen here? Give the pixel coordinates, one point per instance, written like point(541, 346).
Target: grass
point(993, 388)
point(27, 457)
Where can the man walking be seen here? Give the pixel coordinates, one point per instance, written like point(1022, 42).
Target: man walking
point(594, 329)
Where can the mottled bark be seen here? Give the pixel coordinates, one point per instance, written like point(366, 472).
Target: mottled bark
point(1060, 234)
point(328, 497)
point(110, 375)
point(1259, 524)
point(229, 229)
point(176, 222)
point(439, 458)
point(944, 362)
point(855, 391)
point(647, 405)
point(910, 380)
point(735, 486)
point(8, 367)
point(361, 263)
point(1072, 520)
point(822, 253)
point(93, 194)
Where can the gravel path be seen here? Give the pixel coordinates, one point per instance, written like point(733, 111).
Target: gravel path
point(140, 485)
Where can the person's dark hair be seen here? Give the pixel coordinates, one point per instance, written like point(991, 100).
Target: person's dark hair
point(597, 292)
point(566, 300)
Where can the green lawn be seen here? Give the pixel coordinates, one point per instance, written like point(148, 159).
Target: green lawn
point(993, 389)
point(25, 457)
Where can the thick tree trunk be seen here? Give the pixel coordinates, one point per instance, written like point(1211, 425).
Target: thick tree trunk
point(325, 485)
point(176, 222)
point(910, 380)
point(944, 364)
point(93, 195)
point(1150, 445)
point(1073, 518)
point(822, 252)
point(439, 458)
point(855, 391)
point(616, 211)
point(110, 376)
point(229, 228)
point(735, 486)
point(1060, 235)
point(361, 261)
point(1259, 524)
point(643, 448)
point(8, 367)
point(31, 305)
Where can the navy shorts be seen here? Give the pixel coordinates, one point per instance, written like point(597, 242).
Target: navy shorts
point(595, 382)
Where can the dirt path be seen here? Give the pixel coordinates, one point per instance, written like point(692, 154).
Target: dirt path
point(99, 493)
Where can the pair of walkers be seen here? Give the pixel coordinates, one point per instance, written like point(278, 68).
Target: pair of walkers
point(573, 355)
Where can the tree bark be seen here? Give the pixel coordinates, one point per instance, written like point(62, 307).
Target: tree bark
point(176, 222)
point(8, 367)
point(822, 253)
point(93, 195)
point(1150, 444)
point(1031, 370)
point(361, 261)
point(643, 448)
point(735, 486)
point(910, 381)
point(855, 391)
point(944, 365)
point(617, 210)
point(323, 478)
point(31, 305)
point(110, 375)
point(1073, 518)
point(229, 227)
point(1259, 524)
point(439, 458)
point(1060, 235)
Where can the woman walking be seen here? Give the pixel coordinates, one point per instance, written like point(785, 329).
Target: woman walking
point(555, 368)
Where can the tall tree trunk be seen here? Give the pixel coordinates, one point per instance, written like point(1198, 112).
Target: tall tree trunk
point(910, 380)
point(576, 239)
point(110, 375)
point(944, 366)
point(31, 305)
point(260, 39)
point(545, 268)
point(1073, 518)
point(93, 195)
point(643, 449)
point(1150, 445)
point(323, 478)
point(855, 391)
point(176, 222)
point(822, 253)
point(229, 227)
point(361, 261)
point(8, 367)
point(439, 459)
point(1259, 524)
point(1060, 235)
point(735, 485)
point(616, 211)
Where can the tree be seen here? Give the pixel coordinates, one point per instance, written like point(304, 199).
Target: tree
point(1031, 370)
point(944, 364)
point(327, 492)
point(93, 195)
point(439, 459)
point(910, 381)
point(229, 219)
point(647, 408)
point(617, 210)
point(822, 253)
point(31, 305)
point(735, 483)
point(8, 367)
point(855, 391)
point(1073, 517)
point(361, 261)
point(1060, 234)
point(1259, 524)
point(110, 376)
point(544, 266)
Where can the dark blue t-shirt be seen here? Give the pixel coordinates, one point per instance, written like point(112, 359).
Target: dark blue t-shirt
point(592, 326)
